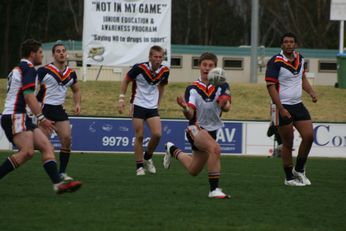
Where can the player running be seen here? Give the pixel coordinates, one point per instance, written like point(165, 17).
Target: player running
point(18, 126)
point(202, 106)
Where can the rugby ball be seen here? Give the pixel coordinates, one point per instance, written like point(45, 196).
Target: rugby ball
point(216, 76)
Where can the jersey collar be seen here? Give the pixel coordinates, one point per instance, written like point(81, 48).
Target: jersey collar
point(27, 61)
point(295, 54)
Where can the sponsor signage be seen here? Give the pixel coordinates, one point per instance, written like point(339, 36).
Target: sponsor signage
point(329, 140)
point(117, 135)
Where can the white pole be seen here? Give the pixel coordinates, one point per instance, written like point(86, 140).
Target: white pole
point(85, 68)
point(85, 72)
point(254, 42)
point(341, 37)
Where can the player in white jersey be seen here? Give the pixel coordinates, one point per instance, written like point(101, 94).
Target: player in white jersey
point(203, 105)
point(148, 82)
point(55, 79)
point(285, 77)
point(17, 125)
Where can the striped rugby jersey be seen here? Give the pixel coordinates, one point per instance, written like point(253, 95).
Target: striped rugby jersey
point(144, 87)
point(203, 99)
point(21, 78)
point(287, 76)
point(54, 84)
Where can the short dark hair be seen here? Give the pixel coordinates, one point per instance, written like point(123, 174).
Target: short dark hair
point(28, 46)
point(56, 45)
point(207, 56)
point(156, 48)
point(290, 35)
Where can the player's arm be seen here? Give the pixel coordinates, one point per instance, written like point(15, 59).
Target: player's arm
point(308, 89)
point(123, 88)
point(76, 98)
point(274, 95)
point(224, 102)
point(187, 110)
point(272, 80)
point(31, 101)
point(161, 88)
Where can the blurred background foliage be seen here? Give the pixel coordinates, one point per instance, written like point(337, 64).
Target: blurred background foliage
point(194, 22)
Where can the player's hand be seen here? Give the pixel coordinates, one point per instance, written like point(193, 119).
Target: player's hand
point(121, 106)
point(222, 100)
point(77, 110)
point(47, 124)
point(313, 97)
point(285, 115)
point(181, 101)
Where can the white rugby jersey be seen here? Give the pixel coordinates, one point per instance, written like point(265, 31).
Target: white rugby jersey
point(287, 76)
point(54, 84)
point(203, 99)
point(144, 87)
point(21, 78)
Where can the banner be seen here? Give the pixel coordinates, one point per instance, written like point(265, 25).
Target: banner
point(329, 140)
point(120, 32)
point(117, 135)
point(337, 10)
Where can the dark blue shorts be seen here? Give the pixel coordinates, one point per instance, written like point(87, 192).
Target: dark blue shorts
point(54, 112)
point(16, 123)
point(297, 111)
point(144, 113)
point(191, 141)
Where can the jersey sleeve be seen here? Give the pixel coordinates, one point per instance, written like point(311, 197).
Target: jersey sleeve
point(28, 78)
point(165, 76)
point(41, 73)
point(272, 72)
point(74, 77)
point(190, 97)
point(225, 89)
point(133, 72)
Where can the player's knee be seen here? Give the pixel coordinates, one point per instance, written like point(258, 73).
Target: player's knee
point(139, 138)
point(214, 150)
point(47, 148)
point(28, 153)
point(194, 172)
point(217, 150)
point(308, 138)
point(156, 135)
point(288, 143)
point(66, 142)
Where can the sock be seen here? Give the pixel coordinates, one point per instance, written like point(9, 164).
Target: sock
point(147, 156)
point(64, 158)
point(300, 163)
point(213, 180)
point(175, 151)
point(139, 164)
point(288, 172)
point(8, 166)
point(52, 171)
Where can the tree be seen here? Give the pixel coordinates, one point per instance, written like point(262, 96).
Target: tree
point(196, 22)
point(310, 22)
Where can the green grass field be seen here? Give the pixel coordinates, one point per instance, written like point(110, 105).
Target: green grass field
point(113, 198)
